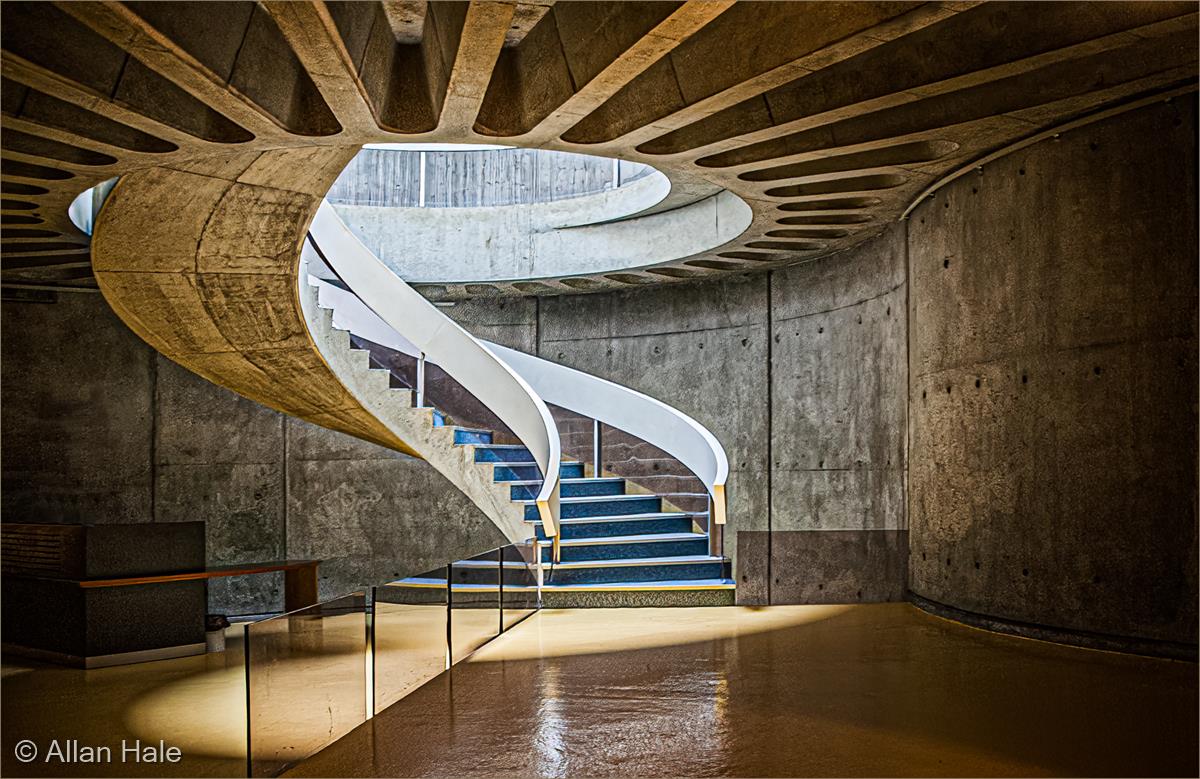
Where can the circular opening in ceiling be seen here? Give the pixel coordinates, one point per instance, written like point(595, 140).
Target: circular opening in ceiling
point(442, 213)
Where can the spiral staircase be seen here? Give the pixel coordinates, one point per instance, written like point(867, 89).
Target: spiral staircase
point(605, 545)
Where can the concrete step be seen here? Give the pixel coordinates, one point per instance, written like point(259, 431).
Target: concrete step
point(528, 471)
point(600, 505)
point(471, 435)
point(626, 547)
point(527, 489)
point(622, 525)
point(693, 592)
point(501, 453)
point(642, 569)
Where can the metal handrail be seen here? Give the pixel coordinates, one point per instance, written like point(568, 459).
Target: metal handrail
point(445, 343)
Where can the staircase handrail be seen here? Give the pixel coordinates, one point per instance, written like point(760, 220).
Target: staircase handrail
point(445, 343)
point(648, 418)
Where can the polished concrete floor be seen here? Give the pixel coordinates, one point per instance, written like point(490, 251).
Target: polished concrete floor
point(308, 686)
point(797, 691)
point(880, 690)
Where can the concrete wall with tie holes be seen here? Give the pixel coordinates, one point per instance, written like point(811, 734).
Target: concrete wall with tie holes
point(990, 407)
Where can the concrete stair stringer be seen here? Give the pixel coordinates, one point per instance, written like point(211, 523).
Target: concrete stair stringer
point(393, 408)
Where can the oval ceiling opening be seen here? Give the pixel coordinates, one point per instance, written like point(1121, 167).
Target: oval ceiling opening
point(445, 214)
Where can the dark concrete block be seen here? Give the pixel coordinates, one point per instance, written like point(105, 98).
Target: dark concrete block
point(117, 551)
point(838, 566)
point(58, 615)
point(145, 616)
point(44, 614)
point(752, 568)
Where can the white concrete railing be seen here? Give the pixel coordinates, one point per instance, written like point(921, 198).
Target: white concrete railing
point(625, 409)
point(442, 341)
point(640, 415)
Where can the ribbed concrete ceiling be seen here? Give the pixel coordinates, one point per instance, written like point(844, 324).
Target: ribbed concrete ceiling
point(828, 118)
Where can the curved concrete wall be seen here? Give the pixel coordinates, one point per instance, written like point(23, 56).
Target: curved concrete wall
point(1053, 382)
point(801, 375)
point(476, 178)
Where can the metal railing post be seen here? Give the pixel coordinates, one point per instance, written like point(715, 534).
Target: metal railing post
point(597, 469)
point(449, 614)
point(421, 381)
point(421, 186)
point(369, 614)
point(716, 533)
point(537, 550)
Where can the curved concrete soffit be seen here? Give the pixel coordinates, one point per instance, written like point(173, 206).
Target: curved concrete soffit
point(591, 234)
point(815, 114)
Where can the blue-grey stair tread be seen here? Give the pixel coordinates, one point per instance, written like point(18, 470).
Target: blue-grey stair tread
point(646, 538)
point(623, 517)
point(669, 584)
point(472, 430)
point(597, 498)
point(575, 507)
point(568, 480)
point(515, 464)
point(489, 564)
point(628, 562)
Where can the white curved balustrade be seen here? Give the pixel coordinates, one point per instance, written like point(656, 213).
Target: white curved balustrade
point(625, 409)
point(423, 327)
point(649, 419)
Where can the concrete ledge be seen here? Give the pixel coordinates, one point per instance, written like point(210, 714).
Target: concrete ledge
point(1081, 638)
point(104, 661)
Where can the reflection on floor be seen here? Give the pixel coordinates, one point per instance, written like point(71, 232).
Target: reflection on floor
point(308, 685)
point(195, 703)
point(801, 690)
point(881, 690)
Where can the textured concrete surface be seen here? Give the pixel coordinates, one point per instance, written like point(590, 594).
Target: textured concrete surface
point(220, 459)
point(75, 410)
point(1053, 382)
point(838, 566)
point(84, 421)
point(838, 370)
point(701, 348)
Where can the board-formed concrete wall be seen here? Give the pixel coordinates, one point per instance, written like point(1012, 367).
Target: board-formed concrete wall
point(1054, 296)
point(99, 428)
point(1053, 382)
point(800, 374)
point(838, 373)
